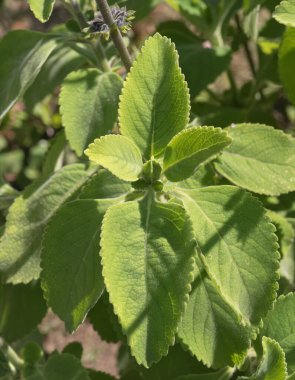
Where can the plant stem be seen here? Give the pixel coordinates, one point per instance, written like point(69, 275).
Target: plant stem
point(233, 85)
point(115, 33)
point(11, 355)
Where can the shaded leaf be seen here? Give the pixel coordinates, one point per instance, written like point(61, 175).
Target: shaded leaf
point(287, 62)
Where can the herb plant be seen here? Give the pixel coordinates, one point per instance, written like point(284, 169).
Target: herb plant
point(172, 236)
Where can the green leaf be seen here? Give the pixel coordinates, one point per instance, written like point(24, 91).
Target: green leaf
point(260, 159)
point(54, 156)
point(154, 104)
point(222, 374)
point(249, 5)
point(42, 9)
point(118, 154)
point(89, 106)
point(64, 366)
point(7, 195)
point(279, 325)
point(100, 376)
point(61, 62)
point(22, 307)
point(287, 62)
point(104, 185)
point(20, 245)
point(238, 245)
point(191, 147)
point(272, 365)
point(285, 13)
point(285, 231)
point(200, 65)
point(71, 269)
point(25, 53)
point(177, 363)
point(210, 328)
point(147, 269)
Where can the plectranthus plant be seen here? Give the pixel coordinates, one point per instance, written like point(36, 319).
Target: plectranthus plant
point(164, 233)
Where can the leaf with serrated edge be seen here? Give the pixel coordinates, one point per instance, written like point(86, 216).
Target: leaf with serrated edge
point(285, 13)
point(71, 270)
point(20, 245)
point(190, 148)
point(210, 328)
point(260, 159)
point(272, 365)
point(279, 325)
point(89, 106)
point(238, 245)
point(154, 105)
point(118, 154)
point(147, 268)
point(287, 62)
point(42, 9)
point(25, 53)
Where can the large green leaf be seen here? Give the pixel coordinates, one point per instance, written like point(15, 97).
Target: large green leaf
point(272, 365)
point(190, 148)
point(89, 106)
point(22, 307)
point(154, 104)
point(210, 328)
point(20, 245)
point(147, 267)
point(71, 275)
point(201, 65)
point(285, 13)
point(61, 62)
point(118, 154)
point(260, 159)
point(238, 245)
point(287, 62)
point(25, 53)
point(41, 8)
point(279, 325)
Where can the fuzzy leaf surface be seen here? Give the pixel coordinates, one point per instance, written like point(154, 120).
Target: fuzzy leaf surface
point(147, 269)
point(287, 62)
point(272, 365)
point(71, 275)
point(260, 159)
point(20, 246)
point(209, 326)
point(191, 147)
point(42, 9)
point(285, 13)
point(25, 53)
point(154, 105)
point(279, 325)
point(238, 247)
point(89, 106)
point(118, 154)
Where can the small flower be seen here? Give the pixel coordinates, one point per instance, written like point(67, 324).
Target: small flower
point(122, 19)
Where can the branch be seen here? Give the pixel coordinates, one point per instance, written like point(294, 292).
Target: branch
point(115, 33)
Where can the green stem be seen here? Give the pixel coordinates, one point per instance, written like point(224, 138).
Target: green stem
point(115, 33)
point(102, 57)
point(11, 355)
point(233, 85)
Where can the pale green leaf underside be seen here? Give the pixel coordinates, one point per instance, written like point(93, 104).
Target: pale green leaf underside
point(287, 62)
point(154, 105)
point(25, 53)
point(147, 267)
point(272, 365)
point(89, 106)
point(210, 328)
point(260, 159)
point(71, 275)
point(190, 148)
point(279, 325)
point(118, 154)
point(20, 245)
point(285, 13)
point(238, 247)
point(42, 9)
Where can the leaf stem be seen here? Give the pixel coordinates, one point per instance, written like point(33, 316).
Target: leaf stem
point(115, 33)
point(11, 355)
